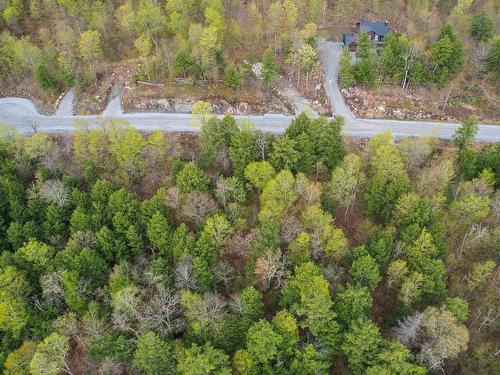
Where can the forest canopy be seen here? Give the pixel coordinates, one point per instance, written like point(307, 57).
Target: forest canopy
point(238, 252)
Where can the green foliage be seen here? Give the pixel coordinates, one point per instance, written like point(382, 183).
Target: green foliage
point(447, 55)
point(251, 303)
point(34, 256)
point(284, 155)
point(74, 299)
point(215, 138)
point(399, 61)
point(480, 275)
point(259, 173)
point(394, 358)
point(213, 237)
point(270, 68)
point(108, 275)
point(329, 239)
point(232, 77)
point(91, 49)
point(465, 134)
point(364, 72)
point(352, 303)
point(364, 270)
point(364, 49)
point(13, 314)
point(18, 361)
point(380, 248)
point(153, 355)
point(242, 151)
point(458, 307)
point(308, 143)
point(191, 178)
point(306, 295)
point(492, 60)
point(361, 344)
point(299, 249)
point(49, 358)
point(388, 182)
point(346, 71)
point(309, 362)
point(481, 27)
point(111, 344)
point(263, 342)
point(159, 234)
point(44, 79)
point(203, 360)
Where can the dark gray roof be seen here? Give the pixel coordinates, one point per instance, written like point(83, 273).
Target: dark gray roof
point(350, 38)
point(379, 28)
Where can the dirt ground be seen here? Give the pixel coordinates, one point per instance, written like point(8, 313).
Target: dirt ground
point(178, 97)
point(388, 101)
point(93, 100)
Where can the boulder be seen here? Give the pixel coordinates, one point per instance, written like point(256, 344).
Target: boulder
point(183, 107)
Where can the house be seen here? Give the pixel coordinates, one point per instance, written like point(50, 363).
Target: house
point(350, 40)
point(375, 30)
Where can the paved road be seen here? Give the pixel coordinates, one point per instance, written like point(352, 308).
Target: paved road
point(22, 114)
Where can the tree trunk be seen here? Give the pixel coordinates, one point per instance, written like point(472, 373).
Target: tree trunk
point(447, 97)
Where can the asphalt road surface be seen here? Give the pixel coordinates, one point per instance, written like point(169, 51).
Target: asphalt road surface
point(22, 114)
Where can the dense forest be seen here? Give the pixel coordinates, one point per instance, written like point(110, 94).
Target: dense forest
point(236, 252)
point(64, 43)
point(232, 250)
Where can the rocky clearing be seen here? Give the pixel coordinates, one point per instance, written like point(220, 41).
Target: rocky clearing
point(391, 102)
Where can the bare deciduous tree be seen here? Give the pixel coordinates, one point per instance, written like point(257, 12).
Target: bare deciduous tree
point(487, 319)
point(240, 242)
point(311, 194)
point(235, 304)
point(198, 205)
point(55, 192)
point(290, 227)
point(443, 338)
point(224, 274)
point(223, 191)
point(111, 366)
point(52, 288)
point(475, 233)
point(347, 180)
point(316, 246)
point(262, 144)
point(408, 330)
point(495, 205)
point(212, 309)
point(409, 58)
point(436, 177)
point(84, 239)
point(223, 159)
point(173, 197)
point(271, 269)
point(184, 278)
point(162, 312)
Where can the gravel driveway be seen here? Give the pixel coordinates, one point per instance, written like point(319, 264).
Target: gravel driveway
point(330, 53)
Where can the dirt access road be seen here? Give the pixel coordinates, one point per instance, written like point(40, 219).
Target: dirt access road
point(22, 114)
point(330, 53)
